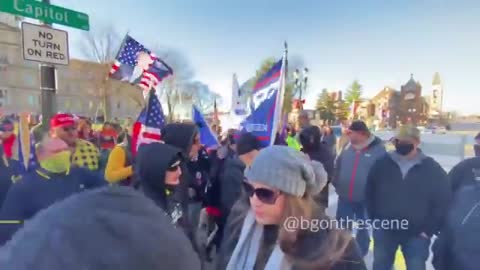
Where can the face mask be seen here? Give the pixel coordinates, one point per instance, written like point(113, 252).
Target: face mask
point(404, 148)
point(58, 163)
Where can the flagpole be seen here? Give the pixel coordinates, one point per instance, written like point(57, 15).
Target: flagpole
point(122, 44)
point(281, 92)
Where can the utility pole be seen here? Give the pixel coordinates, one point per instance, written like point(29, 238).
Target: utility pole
point(48, 87)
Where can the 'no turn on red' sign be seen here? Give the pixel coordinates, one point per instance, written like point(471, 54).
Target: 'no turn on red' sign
point(44, 44)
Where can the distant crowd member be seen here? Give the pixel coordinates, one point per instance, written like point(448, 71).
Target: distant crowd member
point(350, 178)
point(311, 145)
point(279, 185)
point(458, 245)
point(7, 136)
point(291, 138)
point(85, 154)
point(9, 173)
point(407, 185)
point(85, 131)
point(160, 177)
point(55, 180)
point(303, 121)
point(108, 137)
point(343, 140)
point(186, 137)
point(248, 148)
point(476, 147)
point(119, 167)
point(462, 174)
point(126, 231)
point(329, 139)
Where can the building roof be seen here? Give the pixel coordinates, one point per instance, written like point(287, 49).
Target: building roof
point(411, 85)
point(436, 79)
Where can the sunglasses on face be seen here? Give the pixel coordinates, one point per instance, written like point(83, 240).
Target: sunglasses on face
point(264, 195)
point(174, 167)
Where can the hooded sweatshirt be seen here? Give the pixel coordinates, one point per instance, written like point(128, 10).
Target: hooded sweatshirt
point(181, 135)
point(152, 171)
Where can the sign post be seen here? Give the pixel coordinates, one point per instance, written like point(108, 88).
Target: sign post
point(44, 44)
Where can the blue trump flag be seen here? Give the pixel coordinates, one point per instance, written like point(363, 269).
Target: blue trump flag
point(207, 137)
point(266, 105)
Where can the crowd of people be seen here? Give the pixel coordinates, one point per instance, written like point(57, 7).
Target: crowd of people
point(97, 200)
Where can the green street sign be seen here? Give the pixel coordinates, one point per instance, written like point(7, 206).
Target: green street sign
point(46, 13)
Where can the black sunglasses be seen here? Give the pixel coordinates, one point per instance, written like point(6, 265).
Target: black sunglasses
point(174, 166)
point(264, 195)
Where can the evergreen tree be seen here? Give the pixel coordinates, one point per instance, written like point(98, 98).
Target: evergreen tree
point(326, 106)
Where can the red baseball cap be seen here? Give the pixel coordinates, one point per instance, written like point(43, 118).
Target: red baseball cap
point(62, 120)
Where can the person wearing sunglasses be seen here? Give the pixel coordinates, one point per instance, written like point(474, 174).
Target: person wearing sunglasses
point(279, 187)
point(159, 170)
point(186, 137)
point(84, 153)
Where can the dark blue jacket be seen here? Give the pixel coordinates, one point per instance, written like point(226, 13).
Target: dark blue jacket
point(9, 172)
point(38, 190)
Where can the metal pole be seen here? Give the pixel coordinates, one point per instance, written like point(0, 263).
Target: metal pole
point(48, 87)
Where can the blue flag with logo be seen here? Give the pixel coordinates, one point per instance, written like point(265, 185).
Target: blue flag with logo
point(207, 137)
point(266, 106)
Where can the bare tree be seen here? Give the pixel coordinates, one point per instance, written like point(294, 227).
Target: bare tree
point(101, 45)
point(202, 96)
point(174, 88)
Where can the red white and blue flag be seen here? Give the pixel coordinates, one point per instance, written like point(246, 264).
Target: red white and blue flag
point(266, 105)
point(149, 124)
point(137, 65)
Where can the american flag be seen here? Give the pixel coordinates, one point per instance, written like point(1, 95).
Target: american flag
point(124, 66)
point(152, 122)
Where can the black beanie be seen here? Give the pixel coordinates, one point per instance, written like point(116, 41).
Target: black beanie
point(247, 143)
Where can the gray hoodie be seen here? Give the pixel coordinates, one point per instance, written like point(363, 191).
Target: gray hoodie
point(352, 168)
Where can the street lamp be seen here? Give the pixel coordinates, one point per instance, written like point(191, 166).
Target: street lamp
point(300, 82)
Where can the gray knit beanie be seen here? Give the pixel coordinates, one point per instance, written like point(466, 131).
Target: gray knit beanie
point(288, 170)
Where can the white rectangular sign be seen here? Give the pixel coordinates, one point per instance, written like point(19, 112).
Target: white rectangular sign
point(44, 44)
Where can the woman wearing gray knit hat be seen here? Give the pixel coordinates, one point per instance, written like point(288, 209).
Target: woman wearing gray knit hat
point(277, 225)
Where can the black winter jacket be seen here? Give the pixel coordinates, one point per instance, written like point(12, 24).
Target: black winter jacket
point(458, 244)
point(422, 197)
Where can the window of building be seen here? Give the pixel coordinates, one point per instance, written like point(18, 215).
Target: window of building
point(32, 100)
